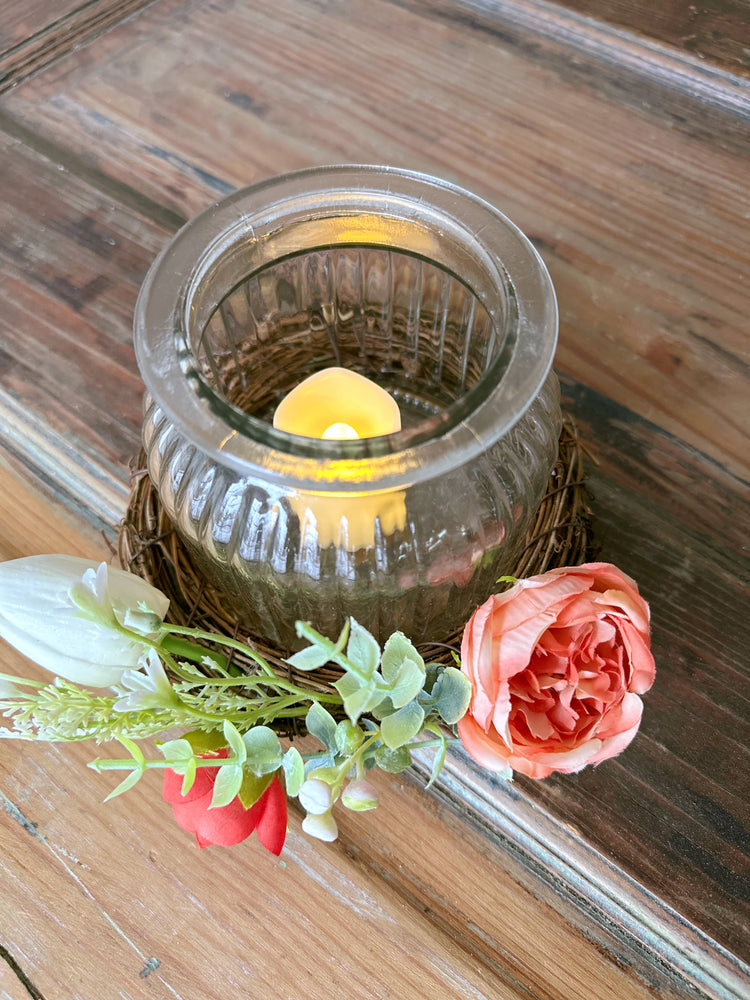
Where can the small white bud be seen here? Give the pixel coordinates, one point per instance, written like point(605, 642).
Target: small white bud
point(315, 797)
point(323, 827)
point(360, 796)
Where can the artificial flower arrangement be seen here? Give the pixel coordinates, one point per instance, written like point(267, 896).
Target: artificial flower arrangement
point(548, 680)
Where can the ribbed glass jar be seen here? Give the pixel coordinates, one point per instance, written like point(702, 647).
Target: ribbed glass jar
point(417, 285)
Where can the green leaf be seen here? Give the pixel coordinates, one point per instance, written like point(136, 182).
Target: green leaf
point(177, 753)
point(263, 750)
point(363, 700)
point(235, 742)
point(402, 726)
point(321, 645)
point(452, 694)
point(437, 763)
point(310, 659)
point(317, 761)
point(294, 770)
point(132, 779)
point(407, 683)
point(191, 770)
point(363, 650)
point(348, 684)
point(321, 725)
point(203, 742)
point(252, 788)
point(392, 761)
point(349, 737)
point(397, 649)
point(227, 785)
point(135, 752)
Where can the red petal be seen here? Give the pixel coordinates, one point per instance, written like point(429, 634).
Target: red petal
point(225, 826)
point(203, 784)
point(271, 828)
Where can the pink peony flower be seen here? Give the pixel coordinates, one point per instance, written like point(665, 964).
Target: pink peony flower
point(230, 824)
point(556, 665)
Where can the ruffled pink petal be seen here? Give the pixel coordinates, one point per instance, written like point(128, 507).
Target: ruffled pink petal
point(621, 718)
point(614, 745)
point(513, 649)
point(642, 665)
point(483, 748)
point(564, 761)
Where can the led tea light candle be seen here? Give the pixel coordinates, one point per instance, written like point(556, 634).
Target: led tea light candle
point(417, 286)
point(340, 405)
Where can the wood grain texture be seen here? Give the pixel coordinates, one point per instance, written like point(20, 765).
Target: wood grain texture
point(131, 908)
point(35, 33)
point(628, 168)
point(718, 31)
point(640, 219)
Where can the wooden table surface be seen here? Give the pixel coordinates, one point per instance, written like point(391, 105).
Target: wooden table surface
point(620, 146)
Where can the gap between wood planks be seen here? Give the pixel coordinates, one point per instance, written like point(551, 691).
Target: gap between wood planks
point(61, 36)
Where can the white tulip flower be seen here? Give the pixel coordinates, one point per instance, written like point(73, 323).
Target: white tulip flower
point(63, 613)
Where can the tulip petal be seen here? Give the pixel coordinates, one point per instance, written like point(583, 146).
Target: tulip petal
point(272, 823)
point(38, 617)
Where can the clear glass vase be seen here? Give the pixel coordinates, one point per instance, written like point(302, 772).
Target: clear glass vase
point(417, 285)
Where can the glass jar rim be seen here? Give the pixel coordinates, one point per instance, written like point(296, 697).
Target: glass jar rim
point(248, 445)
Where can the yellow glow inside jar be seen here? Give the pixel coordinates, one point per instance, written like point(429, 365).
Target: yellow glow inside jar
point(338, 404)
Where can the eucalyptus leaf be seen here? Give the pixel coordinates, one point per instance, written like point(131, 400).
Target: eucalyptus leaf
point(407, 683)
point(452, 694)
point(393, 761)
point(311, 658)
point(402, 726)
point(397, 649)
point(317, 761)
point(363, 650)
point(227, 785)
point(263, 750)
point(363, 700)
point(294, 770)
point(348, 684)
point(322, 725)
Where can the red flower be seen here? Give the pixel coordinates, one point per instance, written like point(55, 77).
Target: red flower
point(230, 824)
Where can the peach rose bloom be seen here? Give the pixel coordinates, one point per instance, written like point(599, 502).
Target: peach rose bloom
point(556, 665)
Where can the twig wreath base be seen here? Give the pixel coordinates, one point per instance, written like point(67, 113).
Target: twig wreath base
point(149, 546)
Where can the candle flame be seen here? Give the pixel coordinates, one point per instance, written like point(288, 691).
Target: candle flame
point(339, 432)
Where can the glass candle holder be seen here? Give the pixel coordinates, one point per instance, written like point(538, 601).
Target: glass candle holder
point(417, 285)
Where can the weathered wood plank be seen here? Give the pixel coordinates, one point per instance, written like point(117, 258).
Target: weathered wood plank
point(72, 263)
point(718, 31)
point(639, 217)
point(34, 33)
point(387, 911)
point(629, 171)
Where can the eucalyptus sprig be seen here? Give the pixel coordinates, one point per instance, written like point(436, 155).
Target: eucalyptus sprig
point(383, 705)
